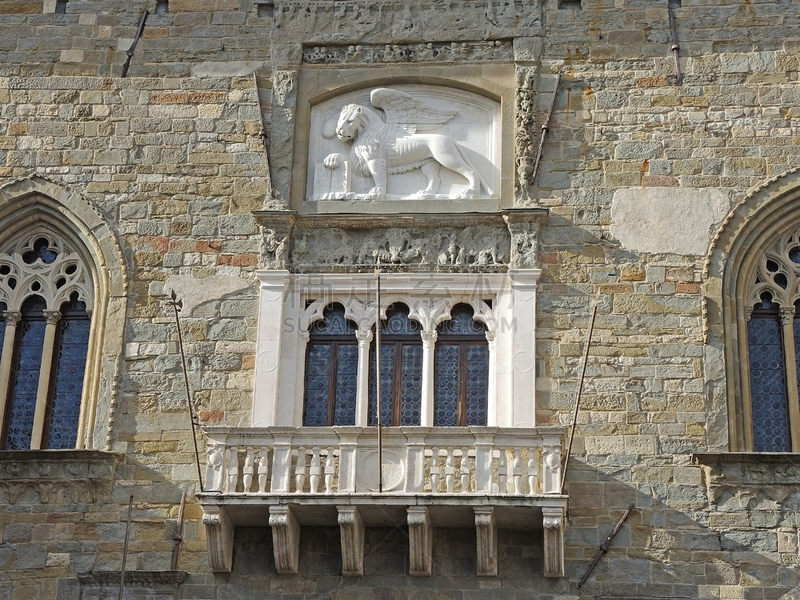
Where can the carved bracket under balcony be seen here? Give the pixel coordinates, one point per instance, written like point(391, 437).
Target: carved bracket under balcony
point(553, 521)
point(486, 529)
point(351, 528)
point(219, 538)
point(285, 539)
point(420, 541)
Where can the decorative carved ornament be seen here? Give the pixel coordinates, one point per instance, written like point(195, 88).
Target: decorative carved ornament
point(430, 142)
point(409, 53)
point(778, 274)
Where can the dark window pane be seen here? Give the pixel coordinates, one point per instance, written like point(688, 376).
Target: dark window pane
point(41, 251)
point(398, 323)
point(346, 384)
point(477, 384)
point(334, 323)
point(387, 381)
point(25, 375)
point(411, 386)
point(318, 366)
point(461, 322)
point(446, 385)
point(768, 385)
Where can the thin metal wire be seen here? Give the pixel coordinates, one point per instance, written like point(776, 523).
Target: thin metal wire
point(177, 305)
point(125, 550)
point(378, 373)
point(580, 388)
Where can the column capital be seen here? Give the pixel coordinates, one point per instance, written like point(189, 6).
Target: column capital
point(12, 317)
point(52, 316)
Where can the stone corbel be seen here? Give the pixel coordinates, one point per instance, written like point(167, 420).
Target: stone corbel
point(553, 520)
point(486, 528)
point(285, 539)
point(420, 541)
point(219, 538)
point(351, 528)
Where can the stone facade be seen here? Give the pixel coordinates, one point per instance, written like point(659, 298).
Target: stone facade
point(644, 185)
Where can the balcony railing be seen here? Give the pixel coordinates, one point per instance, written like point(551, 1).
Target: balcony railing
point(414, 460)
point(428, 476)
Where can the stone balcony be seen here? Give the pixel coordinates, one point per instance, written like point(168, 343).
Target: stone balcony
point(489, 478)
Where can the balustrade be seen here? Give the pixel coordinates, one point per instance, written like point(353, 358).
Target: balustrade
point(435, 461)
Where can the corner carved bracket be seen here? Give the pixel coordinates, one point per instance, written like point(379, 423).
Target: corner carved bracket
point(420, 541)
point(219, 538)
point(351, 528)
point(553, 521)
point(285, 539)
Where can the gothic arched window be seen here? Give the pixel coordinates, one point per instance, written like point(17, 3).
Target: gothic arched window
point(401, 370)
point(331, 371)
point(461, 370)
point(47, 294)
point(773, 347)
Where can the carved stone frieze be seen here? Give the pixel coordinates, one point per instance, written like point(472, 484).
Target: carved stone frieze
point(408, 53)
point(477, 246)
point(138, 578)
point(356, 20)
point(525, 235)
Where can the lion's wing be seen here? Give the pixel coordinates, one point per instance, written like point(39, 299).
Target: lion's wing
point(408, 112)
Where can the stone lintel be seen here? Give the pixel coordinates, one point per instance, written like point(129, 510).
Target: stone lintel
point(285, 539)
point(486, 529)
point(219, 538)
point(351, 528)
point(420, 541)
point(553, 521)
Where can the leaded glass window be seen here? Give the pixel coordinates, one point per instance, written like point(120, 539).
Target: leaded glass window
point(461, 371)
point(46, 290)
point(401, 370)
point(331, 371)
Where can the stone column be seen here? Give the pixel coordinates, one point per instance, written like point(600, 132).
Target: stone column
point(364, 337)
point(351, 529)
point(553, 521)
point(789, 360)
point(45, 370)
point(12, 318)
point(486, 529)
point(285, 539)
point(428, 345)
point(219, 538)
point(420, 541)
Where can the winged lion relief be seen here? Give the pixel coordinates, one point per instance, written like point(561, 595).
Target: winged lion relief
point(431, 144)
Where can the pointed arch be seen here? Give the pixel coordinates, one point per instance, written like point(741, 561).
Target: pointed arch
point(37, 207)
point(752, 231)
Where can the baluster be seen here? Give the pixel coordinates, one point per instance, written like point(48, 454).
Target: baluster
point(247, 479)
point(449, 470)
point(233, 469)
point(300, 470)
point(330, 470)
point(435, 470)
point(263, 470)
point(314, 471)
point(517, 471)
point(502, 473)
point(464, 470)
point(532, 471)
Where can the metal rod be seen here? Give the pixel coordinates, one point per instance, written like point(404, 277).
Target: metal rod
point(136, 39)
point(605, 545)
point(179, 534)
point(378, 373)
point(125, 550)
point(177, 305)
point(580, 388)
point(545, 129)
point(262, 133)
point(673, 30)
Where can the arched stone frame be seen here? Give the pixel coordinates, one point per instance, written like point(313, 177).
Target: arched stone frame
point(752, 228)
point(26, 203)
